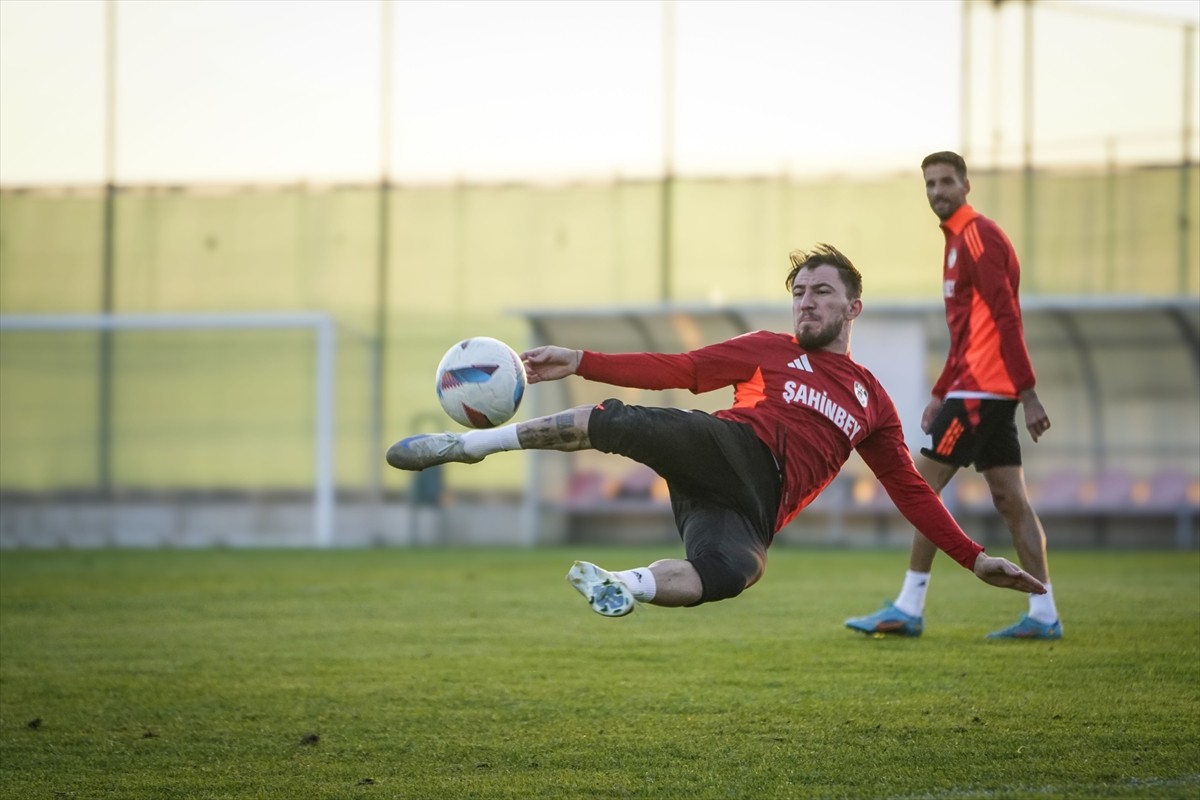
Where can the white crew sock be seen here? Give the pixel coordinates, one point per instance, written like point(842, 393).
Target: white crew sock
point(1041, 607)
point(912, 595)
point(640, 583)
point(490, 440)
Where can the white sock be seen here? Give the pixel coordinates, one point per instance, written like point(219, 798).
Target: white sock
point(1041, 607)
point(912, 595)
point(490, 440)
point(640, 582)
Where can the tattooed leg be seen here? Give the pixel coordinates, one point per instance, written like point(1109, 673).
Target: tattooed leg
point(566, 431)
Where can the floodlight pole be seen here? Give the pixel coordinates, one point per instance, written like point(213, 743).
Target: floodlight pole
point(104, 411)
point(1030, 204)
point(383, 249)
point(965, 88)
point(666, 255)
point(1185, 166)
point(997, 136)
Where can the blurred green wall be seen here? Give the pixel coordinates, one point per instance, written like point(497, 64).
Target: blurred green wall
point(208, 410)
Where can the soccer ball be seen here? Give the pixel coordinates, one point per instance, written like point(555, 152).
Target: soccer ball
point(480, 382)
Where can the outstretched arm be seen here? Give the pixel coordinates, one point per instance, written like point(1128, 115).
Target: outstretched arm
point(634, 370)
point(1005, 574)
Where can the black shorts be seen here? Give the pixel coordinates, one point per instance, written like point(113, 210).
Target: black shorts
point(724, 483)
point(977, 431)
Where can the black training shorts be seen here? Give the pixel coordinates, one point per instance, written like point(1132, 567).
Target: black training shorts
point(724, 483)
point(977, 431)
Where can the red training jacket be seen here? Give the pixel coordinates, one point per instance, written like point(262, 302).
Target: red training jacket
point(810, 408)
point(980, 279)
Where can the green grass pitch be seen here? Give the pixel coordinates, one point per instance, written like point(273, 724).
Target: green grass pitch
point(480, 674)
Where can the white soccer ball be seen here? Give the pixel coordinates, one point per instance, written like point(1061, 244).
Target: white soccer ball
point(480, 382)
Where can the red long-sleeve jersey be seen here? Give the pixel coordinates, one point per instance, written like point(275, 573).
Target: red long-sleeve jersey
point(980, 281)
point(810, 408)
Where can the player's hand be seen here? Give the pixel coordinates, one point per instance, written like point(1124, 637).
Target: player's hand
point(550, 363)
point(1005, 574)
point(1036, 420)
point(931, 412)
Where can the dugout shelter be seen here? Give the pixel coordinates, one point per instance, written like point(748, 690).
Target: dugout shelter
point(1119, 376)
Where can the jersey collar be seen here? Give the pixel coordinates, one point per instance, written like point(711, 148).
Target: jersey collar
point(959, 219)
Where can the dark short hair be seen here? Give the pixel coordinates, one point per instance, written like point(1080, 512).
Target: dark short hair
point(947, 157)
point(830, 255)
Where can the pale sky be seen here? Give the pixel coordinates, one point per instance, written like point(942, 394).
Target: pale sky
point(290, 90)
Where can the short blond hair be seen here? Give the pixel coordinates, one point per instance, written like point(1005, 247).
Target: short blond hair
point(826, 254)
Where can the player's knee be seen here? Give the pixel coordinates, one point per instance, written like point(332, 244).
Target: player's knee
point(725, 574)
point(1007, 502)
point(606, 428)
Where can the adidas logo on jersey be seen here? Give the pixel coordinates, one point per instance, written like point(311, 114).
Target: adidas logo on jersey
point(801, 364)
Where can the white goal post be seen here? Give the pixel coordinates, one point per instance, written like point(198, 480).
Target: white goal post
point(324, 331)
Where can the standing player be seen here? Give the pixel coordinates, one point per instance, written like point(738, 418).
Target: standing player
point(739, 475)
point(971, 415)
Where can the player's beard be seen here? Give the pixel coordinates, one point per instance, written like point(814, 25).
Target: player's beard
point(821, 338)
point(947, 212)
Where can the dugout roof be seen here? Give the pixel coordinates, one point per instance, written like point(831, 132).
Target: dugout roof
point(1120, 376)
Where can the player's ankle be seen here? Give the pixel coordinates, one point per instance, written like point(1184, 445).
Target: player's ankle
point(640, 582)
point(480, 443)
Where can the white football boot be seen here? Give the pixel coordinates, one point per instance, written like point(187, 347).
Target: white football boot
point(604, 591)
point(428, 450)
